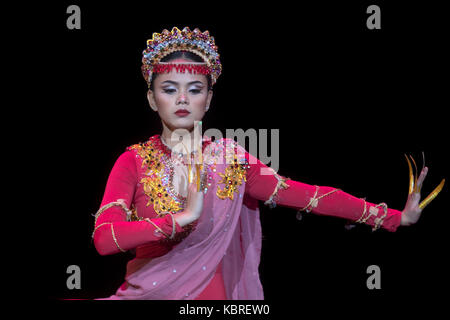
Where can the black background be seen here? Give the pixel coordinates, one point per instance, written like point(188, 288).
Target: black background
point(348, 101)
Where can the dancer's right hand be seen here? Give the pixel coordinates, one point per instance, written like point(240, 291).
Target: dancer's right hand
point(194, 206)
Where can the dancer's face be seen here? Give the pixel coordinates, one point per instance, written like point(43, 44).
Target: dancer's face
point(177, 90)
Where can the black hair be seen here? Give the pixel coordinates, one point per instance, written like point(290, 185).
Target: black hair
point(181, 55)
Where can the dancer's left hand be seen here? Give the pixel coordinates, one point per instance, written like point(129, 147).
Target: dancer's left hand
point(412, 211)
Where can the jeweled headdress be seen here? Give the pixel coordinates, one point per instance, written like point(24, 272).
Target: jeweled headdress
point(167, 42)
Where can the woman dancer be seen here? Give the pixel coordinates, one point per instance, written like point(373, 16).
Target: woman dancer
point(188, 206)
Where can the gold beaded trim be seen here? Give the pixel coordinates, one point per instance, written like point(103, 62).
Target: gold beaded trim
point(361, 220)
point(157, 227)
point(378, 220)
point(173, 226)
point(131, 214)
point(112, 233)
point(281, 184)
point(115, 239)
point(160, 230)
point(104, 223)
point(314, 201)
point(119, 202)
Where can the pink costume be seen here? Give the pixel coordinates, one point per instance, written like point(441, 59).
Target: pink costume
point(217, 257)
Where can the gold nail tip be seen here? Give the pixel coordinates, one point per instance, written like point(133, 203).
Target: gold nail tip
point(415, 167)
point(432, 195)
point(411, 176)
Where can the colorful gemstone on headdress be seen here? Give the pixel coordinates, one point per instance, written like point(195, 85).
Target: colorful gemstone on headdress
point(175, 31)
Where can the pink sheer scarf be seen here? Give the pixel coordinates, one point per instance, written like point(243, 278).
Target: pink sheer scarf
point(228, 230)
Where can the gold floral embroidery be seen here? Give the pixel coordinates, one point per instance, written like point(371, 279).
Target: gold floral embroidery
point(158, 195)
point(234, 174)
point(155, 183)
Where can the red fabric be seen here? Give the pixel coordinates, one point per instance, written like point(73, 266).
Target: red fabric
point(215, 289)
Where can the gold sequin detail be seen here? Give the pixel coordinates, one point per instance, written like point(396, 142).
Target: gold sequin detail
point(233, 176)
point(157, 166)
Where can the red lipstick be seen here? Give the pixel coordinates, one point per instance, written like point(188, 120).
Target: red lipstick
point(182, 112)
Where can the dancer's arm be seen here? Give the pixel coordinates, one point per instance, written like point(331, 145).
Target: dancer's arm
point(113, 233)
point(320, 200)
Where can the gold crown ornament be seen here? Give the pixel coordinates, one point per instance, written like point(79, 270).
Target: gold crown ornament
point(164, 43)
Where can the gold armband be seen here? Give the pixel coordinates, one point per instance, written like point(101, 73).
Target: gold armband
point(314, 201)
point(374, 212)
point(281, 184)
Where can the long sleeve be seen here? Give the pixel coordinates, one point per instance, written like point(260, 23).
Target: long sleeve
point(321, 200)
point(113, 233)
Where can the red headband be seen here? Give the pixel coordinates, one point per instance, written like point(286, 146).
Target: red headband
point(196, 68)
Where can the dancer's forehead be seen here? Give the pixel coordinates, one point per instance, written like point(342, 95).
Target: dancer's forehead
point(180, 78)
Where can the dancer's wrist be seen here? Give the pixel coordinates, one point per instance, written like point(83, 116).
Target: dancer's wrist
point(184, 218)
